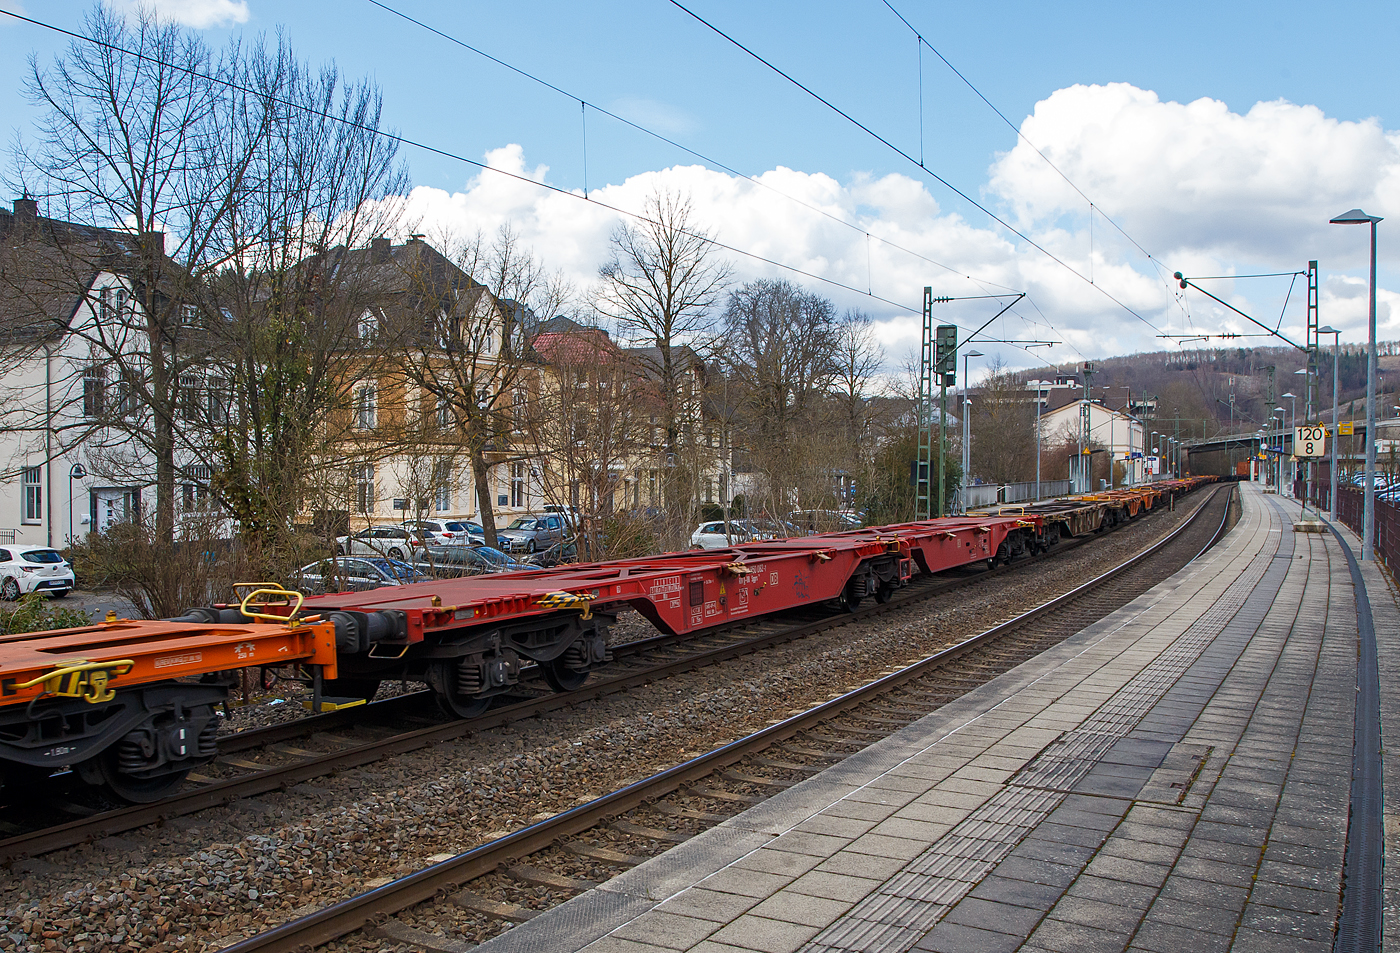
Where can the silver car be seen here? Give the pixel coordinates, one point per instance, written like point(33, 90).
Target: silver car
point(528, 534)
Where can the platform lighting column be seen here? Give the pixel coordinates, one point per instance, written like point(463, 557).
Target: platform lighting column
point(967, 428)
point(1039, 393)
point(1368, 514)
point(1282, 416)
point(1336, 343)
point(1291, 429)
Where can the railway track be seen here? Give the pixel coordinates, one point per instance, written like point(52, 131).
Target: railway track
point(502, 881)
point(377, 731)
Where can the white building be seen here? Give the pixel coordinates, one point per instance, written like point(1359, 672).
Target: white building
point(73, 342)
point(1120, 434)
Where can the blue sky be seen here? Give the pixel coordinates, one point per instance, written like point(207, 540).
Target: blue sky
point(649, 61)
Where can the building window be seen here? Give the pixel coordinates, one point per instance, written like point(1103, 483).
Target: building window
point(188, 398)
point(127, 389)
point(517, 409)
point(111, 303)
point(367, 326)
point(364, 488)
point(442, 485)
point(517, 484)
point(33, 494)
point(366, 401)
point(94, 388)
point(217, 394)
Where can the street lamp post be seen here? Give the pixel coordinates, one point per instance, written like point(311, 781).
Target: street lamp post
point(1282, 415)
point(1368, 514)
point(1336, 342)
point(967, 427)
point(75, 472)
point(1039, 385)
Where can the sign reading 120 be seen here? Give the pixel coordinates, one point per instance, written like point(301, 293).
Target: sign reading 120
point(1309, 441)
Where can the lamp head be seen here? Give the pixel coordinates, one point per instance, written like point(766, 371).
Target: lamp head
point(1289, 396)
point(973, 354)
point(1355, 217)
point(1328, 330)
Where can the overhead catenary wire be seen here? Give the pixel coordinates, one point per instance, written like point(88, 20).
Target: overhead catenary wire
point(448, 154)
point(900, 152)
point(660, 137)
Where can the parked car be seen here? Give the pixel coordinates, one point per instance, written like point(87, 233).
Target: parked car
point(388, 539)
point(26, 569)
point(528, 534)
point(824, 521)
point(564, 551)
point(453, 562)
point(771, 529)
point(355, 574)
point(447, 532)
point(503, 562)
point(711, 535)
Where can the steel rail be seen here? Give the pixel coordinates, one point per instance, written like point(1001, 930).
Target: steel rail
point(284, 777)
point(355, 913)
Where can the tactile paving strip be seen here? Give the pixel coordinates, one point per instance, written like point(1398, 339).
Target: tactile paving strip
point(911, 902)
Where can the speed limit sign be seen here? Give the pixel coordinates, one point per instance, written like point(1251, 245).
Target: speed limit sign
point(1309, 441)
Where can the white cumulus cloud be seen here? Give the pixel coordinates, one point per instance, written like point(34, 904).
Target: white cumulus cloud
point(1206, 190)
point(200, 14)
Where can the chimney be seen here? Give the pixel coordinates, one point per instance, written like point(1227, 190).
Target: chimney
point(26, 209)
point(379, 250)
point(153, 244)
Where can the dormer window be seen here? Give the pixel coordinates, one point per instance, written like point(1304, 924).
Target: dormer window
point(367, 327)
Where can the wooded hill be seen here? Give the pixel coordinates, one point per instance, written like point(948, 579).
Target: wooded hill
point(1196, 384)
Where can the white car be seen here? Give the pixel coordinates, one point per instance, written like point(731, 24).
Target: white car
point(447, 532)
point(711, 535)
point(25, 569)
point(391, 541)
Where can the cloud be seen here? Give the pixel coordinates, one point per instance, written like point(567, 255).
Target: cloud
point(1207, 191)
point(200, 14)
point(1196, 177)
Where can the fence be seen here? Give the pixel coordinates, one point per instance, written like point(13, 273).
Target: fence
point(1350, 508)
point(7, 537)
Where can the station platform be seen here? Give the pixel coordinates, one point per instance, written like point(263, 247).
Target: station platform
point(1175, 777)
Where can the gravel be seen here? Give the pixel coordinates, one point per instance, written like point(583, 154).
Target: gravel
point(200, 883)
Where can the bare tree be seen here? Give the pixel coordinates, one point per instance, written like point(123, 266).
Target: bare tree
point(660, 287)
point(780, 343)
point(285, 314)
point(589, 431)
point(145, 137)
point(457, 335)
point(1003, 428)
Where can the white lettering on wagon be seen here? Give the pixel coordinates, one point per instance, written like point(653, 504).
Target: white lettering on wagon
point(170, 661)
point(666, 587)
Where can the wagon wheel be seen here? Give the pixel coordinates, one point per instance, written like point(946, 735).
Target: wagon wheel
point(561, 678)
point(443, 679)
point(884, 592)
point(133, 789)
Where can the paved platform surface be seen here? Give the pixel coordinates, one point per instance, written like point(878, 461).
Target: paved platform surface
point(1175, 777)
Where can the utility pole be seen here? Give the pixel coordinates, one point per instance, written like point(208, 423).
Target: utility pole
point(1085, 430)
point(923, 495)
point(946, 354)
